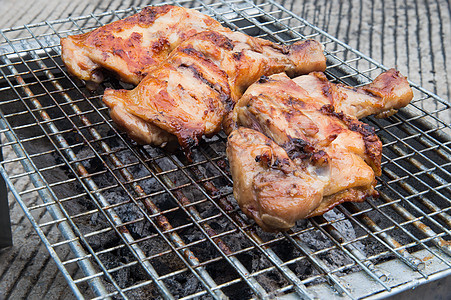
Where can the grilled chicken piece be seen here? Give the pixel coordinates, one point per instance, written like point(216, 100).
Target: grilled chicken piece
point(304, 126)
point(191, 92)
point(132, 46)
point(382, 97)
point(268, 185)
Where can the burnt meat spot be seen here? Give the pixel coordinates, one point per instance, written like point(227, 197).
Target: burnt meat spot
point(301, 149)
point(200, 76)
point(218, 39)
point(160, 44)
point(149, 14)
point(237, 55)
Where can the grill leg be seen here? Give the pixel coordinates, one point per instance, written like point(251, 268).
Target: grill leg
point(6, 238)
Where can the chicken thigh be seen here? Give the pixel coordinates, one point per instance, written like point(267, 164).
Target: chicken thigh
point(299, 115)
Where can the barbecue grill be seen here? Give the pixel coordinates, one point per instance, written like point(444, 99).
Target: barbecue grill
point(141, 222)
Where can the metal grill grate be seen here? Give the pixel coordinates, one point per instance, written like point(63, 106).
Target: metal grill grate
point(141, 222)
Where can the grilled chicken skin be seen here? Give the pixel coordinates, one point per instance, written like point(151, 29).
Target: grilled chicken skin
point(306, 125)
point(382, 97)
point(314, 123)
point(190, 93)
point(268, 185)
point(131, 46)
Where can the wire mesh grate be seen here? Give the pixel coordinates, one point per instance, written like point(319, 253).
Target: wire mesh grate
point(143, 223)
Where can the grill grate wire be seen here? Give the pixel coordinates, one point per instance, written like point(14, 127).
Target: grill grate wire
point(77, 131)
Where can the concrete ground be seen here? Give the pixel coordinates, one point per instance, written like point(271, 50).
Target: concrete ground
point(412, 36)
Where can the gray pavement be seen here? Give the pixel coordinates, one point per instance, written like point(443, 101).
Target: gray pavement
point(409, 35)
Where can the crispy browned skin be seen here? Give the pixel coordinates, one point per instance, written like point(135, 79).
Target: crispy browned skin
point(306, 128)
point(382, 97)
point(191, 92)
point(129, 47)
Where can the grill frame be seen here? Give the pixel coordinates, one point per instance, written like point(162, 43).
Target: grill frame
point(337, 59)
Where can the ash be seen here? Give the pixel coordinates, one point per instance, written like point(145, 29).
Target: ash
point(345, 228)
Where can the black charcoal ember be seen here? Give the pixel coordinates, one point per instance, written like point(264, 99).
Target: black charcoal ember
point(121, 193)
point(183, 285)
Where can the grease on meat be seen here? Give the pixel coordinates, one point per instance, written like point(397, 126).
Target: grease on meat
point(311, 120)
point(193, 91)
point(131, 46)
